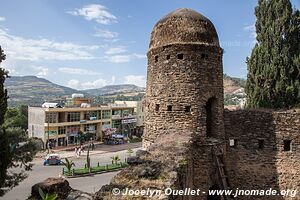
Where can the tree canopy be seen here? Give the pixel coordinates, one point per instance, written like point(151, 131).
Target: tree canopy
point(273, 79)
point(16, 150)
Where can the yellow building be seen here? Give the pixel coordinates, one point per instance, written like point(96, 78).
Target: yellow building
point(65, 124)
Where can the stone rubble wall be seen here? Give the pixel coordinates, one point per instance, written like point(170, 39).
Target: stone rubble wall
point(252, 167)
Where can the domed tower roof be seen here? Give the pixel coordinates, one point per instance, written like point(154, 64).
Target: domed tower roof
point(184, 26)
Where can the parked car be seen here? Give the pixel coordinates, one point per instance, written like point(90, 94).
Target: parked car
point(115, 139)
point(52, 159)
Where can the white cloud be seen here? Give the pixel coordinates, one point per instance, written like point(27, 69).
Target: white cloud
point(44, 72)
point(113, 80)
point(70, 70)
point(95, 12)
point(119, 59)
point(123, 58)
point(105, 34)
point(252, 29)
point(249, 27)
point(40, 71)
point(138, 80)
point(139, 55)
point(73, 83)
point(115, 50)
point(43, 49)
point(2, 19)
point(94, 84)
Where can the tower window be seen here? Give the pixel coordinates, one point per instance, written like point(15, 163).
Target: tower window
point(156, 58)
point(157, 107)
point(187, 108)
point(204, 56)
point(180, 56)
point(168, 57)
point(233, 143)
point(169, 108)
point(287, 145)
point(261, 144)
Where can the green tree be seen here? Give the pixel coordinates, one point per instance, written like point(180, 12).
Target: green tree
point(5, 152)
point(16, 150)
point(273, 67)
point(115, 159)
point(17, 117)
point(68, 164)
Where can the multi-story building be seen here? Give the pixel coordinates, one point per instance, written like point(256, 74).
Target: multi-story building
point(62, 126)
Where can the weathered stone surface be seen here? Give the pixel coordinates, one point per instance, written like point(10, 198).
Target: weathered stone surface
point(78, 195)
point(57, 186)
point(265, 165)
point(134, 160)
point(140, 153)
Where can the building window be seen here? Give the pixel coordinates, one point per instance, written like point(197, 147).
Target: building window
point(91, 115)
point(261, 144)
point(187, 108)
point(106, 114)
point(180, 56)
point(116, 124)
point(73, 116)
point(156, 58)
point(233, 143)
point(157, 107)
point(287, 145)
point(127, 113)
point(90, 128)
point(51, 118)
point(169, 108)
point(72, 130)
point(61, 130)
point(168, 57)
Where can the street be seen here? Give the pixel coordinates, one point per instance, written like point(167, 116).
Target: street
point(89, 184)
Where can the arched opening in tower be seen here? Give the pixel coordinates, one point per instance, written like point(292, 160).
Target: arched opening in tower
point(214, 197)
point(211, 110)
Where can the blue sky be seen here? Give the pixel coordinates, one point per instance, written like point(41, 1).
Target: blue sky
point(89, 44)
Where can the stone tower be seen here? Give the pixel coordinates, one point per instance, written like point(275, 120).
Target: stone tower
point(185, 78)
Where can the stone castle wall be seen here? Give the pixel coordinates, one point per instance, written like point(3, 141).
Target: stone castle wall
point(259, 159)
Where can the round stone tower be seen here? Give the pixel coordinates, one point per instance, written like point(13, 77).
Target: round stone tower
point(185, 78)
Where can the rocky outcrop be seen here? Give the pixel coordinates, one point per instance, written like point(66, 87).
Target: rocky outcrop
point(59, 187)
point(158, 168)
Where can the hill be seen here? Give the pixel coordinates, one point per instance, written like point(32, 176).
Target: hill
point(31, 90)
point(115, 89)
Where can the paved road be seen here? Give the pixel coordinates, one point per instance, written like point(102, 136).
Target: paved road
point(87, 184)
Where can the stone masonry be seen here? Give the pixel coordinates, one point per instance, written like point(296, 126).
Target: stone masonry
point(184, 80)
point(267, 150)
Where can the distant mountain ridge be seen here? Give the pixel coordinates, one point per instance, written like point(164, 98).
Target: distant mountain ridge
point(115, 89)
point(31, 90)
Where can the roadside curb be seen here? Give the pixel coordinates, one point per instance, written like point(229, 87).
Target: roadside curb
point(94, 173)
point(104, 152)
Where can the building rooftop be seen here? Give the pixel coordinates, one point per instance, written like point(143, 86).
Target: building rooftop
point(183, 26)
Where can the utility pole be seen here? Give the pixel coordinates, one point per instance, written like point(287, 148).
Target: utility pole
point(48, 137)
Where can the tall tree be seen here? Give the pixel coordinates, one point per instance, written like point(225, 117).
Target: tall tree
point(273, 67)
point(16, 150)
point(5, 157)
